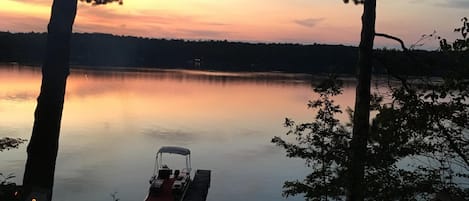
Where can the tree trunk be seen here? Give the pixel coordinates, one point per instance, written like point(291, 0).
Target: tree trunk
point(42, 150)
point(361, 117)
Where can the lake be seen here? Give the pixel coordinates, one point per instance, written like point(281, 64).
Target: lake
point(115, 120)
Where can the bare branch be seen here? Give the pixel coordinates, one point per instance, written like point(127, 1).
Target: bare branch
point(393, 38)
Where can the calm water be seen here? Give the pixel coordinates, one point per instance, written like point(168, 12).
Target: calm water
point(114, 121)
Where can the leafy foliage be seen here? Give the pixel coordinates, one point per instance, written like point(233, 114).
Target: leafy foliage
point(9, 191)
point(8, 188)
point(102, 2)
point(428, 122)
point(426, 125)
point(418, 145)
point(6, 179)
point(7, 143)
point(323, 144)
point(462, 44)
point(355, 1)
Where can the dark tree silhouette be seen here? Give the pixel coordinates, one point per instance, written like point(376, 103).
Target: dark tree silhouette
point(361, 117)
point(323, 144)
point(42, 149)
point(128, 51)
point(355, 183)
point(424, 125)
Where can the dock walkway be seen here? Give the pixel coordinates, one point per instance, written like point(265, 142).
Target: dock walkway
point(198, 189)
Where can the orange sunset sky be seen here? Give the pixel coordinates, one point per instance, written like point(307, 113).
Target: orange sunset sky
point(297, 21)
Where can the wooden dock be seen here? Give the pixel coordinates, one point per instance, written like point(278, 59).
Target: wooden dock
point(198, 189)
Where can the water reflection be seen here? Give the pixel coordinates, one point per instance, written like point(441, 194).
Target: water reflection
point(171, 136)
point(114, 121)
point(207, 77)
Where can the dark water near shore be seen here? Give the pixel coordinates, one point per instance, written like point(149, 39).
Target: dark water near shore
point(114, 121)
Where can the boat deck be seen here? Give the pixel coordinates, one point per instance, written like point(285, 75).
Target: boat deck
point(165, 194)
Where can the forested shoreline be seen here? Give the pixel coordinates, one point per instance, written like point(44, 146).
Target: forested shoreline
point(98, 50)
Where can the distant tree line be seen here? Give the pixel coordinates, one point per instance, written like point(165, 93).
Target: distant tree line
point(96, 49)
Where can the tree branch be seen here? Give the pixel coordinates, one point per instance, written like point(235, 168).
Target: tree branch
point(393, 38)
point(453, 145)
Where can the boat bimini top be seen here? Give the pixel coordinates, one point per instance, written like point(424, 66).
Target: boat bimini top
point(172, 150)
point(175, 150)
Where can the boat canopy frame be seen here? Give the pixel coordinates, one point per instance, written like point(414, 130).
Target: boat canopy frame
point(172, 150)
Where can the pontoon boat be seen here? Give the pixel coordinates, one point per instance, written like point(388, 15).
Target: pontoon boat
point(168, 184)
